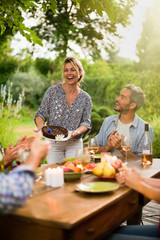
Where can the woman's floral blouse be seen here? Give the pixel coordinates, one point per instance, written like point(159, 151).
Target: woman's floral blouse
point(55, 111)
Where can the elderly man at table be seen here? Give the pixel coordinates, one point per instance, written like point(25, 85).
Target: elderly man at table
point(17, 185)
point(126, 123)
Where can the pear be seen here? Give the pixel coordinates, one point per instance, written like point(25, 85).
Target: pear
point(109, 171)
point(98, 170)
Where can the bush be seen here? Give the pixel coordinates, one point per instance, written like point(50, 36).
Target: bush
point(33, 84)
point(6, 69)
point(156, 139)
point(8, 114)
point(104, 112)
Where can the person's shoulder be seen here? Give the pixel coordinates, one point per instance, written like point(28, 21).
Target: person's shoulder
point(85, 94)
point(111, 118)
point(140, 121)
point(54, 88)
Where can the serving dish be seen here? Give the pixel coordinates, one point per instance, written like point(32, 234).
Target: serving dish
point(97, 187)
point(56, 133)
point(51, 131)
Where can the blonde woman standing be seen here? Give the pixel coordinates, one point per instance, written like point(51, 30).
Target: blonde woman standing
point(66, 105)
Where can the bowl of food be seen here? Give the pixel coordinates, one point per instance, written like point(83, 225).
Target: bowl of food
point(71, 171)
point(72, 176)
point(52, 132)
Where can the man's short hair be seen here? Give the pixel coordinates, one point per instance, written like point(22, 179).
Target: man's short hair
point(137, 95)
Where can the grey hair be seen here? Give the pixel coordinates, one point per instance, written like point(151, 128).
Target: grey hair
point(137, 95)
point(77, 65)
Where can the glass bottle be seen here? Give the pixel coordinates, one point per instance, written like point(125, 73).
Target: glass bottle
point(147, 155)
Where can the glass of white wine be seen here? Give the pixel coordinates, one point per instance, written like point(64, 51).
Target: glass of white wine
point(93, 147)
point(126, 146)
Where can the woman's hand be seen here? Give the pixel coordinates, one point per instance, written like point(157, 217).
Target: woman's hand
point(75, 133)
point(129, 177)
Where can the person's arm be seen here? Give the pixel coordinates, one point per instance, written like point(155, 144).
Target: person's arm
point(42, 113)
point(114, 140)
point(79, 131)
point(12, 153)
point(148, 187)
point(17, 186)
point(39, 149)
point(39, 123)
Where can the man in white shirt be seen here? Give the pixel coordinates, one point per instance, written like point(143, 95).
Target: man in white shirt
point(126, 123)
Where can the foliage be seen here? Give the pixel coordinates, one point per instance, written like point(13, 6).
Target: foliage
point(33, 84)
point(74, 23)
point(148, 46)
point(149, 82)
point(156, 141)
point(11, 17)
point(104, 86)
point(97, 117)
point(8, 64)
point(11, 13)
point(9, 110)
point(45, 66)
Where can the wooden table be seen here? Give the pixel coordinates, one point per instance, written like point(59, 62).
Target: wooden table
point(62, 213)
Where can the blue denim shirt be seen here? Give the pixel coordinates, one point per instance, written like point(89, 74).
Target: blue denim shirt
point(136, 132)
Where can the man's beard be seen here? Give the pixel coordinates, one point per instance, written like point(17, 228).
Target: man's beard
point(123, 110)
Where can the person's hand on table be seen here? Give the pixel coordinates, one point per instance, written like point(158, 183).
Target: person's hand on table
point(129, 176)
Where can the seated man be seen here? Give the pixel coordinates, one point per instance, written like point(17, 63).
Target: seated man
point(17, 185)
point(126, 123)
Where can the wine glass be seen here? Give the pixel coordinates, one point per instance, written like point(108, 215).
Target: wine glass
point(126, 146)
point(93, 147)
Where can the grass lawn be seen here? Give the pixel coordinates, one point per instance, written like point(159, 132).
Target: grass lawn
point(24, 127)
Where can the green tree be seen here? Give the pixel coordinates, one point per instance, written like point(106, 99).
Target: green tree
point(71, 25)
point(148, 47)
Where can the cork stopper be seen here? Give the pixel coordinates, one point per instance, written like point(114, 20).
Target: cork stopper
point(146, 128)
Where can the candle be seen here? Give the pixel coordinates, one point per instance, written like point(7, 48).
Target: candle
point(54, 177)
point(48, 176)
point(60, 176)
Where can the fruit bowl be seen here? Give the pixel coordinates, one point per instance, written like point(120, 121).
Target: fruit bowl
point(72, 176)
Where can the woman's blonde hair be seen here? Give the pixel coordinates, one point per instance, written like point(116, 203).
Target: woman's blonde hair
point(77, 65)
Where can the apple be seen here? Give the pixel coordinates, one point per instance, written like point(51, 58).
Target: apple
point(69, 164)
point(67, 169)
point(117, 163)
